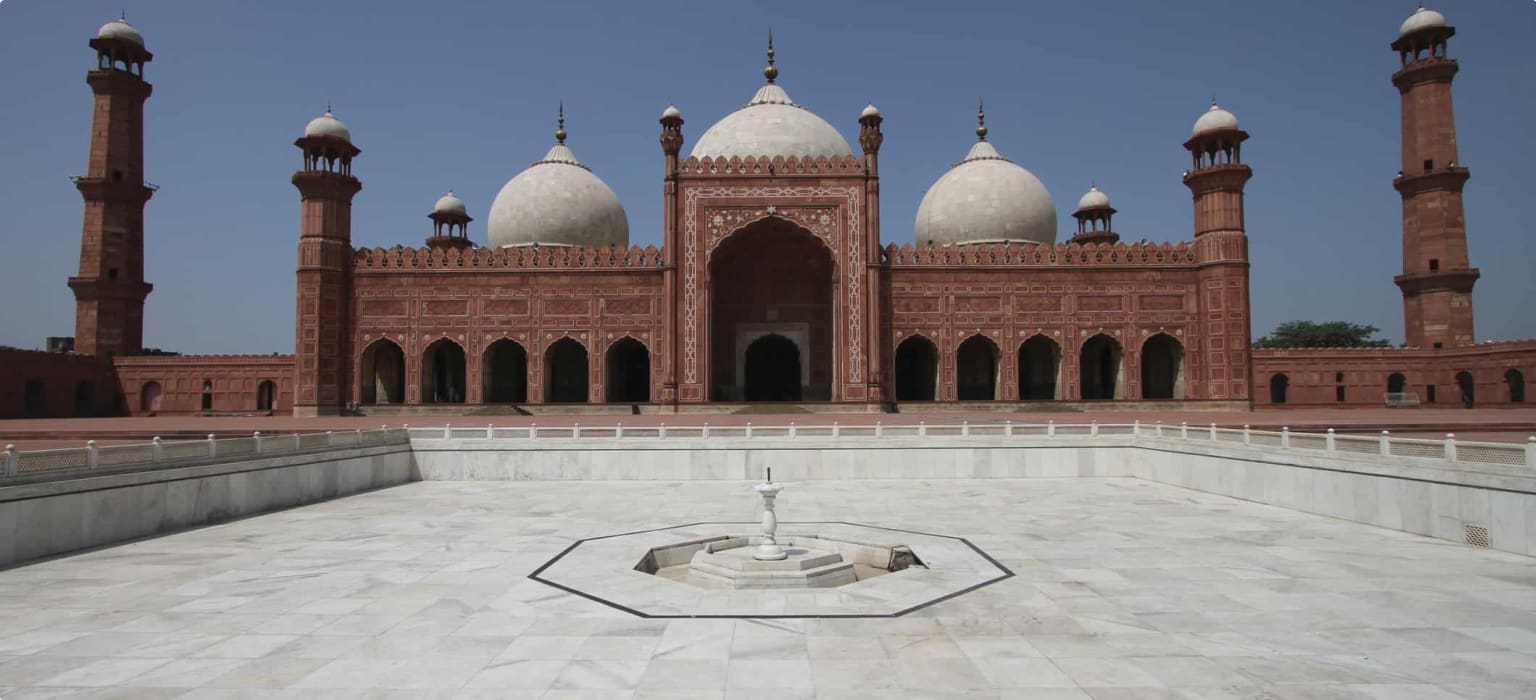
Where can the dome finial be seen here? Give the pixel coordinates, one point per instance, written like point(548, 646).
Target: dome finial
point(327, 105)
point(981, 120)
point(560, 125)
point(772, 71)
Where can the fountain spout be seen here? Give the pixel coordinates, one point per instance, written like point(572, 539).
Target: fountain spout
point(769, 549)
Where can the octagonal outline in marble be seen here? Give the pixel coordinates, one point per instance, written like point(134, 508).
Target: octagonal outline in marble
point(604, 573)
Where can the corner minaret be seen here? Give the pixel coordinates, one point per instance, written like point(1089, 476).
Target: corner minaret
point(324, 341)
point(1437, 277)
point(1220, 369)
point(110, 289)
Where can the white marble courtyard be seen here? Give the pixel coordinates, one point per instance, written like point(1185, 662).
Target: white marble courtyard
point(1122, 589)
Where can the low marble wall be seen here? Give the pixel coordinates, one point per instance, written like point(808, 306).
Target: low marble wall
point(58, 517)
point(1484, 506)
point(1424, 497)
point(593, 459)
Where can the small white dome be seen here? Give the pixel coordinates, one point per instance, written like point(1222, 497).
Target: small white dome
point(1215, 119)
point(670, 112)
point(771, 125)
point(869, 111)
point(449, 204)
point(986, 197)
point(557, 201)
point(1094, 199)
point(328, 125)
point(120, 29)
point(1421, 19)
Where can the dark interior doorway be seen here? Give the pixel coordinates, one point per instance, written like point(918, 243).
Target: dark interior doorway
point(1279, 386)
point(383, 373)
point(628, 377)
point(442, 373)
point(976, 363)
point(505, 372)
point(565, 372)
point(1468, 389)
point(1100, 367)
point(917, 369)
point(773, 369)
point(1039, 367)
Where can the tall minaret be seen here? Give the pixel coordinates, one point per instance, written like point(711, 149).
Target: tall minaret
point(323, 358)
point(110, 289)
point(1437, 278)
point(1216, 179)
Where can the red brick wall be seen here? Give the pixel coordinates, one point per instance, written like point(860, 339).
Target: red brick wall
point(234, 380)
point(1313, 373)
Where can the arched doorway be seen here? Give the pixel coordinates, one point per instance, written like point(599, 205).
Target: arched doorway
point(442, 372)
point(85, 396)
point(628, 376)
point(504, 372)
point(1099, 368)
point(1468, 389)
point(1279, 386)
point(149, 397)
point(266, 395)
point(1516, 381)
point(565, 372)
point(1396, 382)
point(773, 370)
point(207, 403)
point(1162, 367)
point(383, 373)
point(917, 369)
point(771, 277)
point(976, 363)
point(32, 401)
point(1039, 369)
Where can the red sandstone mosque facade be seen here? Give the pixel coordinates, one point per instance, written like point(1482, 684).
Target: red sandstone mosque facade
point(772, 283)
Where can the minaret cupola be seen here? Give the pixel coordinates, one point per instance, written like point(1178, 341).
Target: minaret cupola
point(1093, 218)
point(120, 47)
point(450, 223)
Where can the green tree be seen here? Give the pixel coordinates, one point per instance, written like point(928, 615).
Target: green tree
point(1328, 334)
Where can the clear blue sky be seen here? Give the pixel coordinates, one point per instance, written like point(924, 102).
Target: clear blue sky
point(462, 94)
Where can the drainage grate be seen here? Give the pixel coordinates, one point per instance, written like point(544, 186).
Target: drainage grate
point(1476, 535)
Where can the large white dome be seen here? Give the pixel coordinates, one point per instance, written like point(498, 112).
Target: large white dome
point(771, 125)
point(557, 201)
point(1420, 19)
point(986, 198)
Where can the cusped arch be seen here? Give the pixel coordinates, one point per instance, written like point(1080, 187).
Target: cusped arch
point(916, 368)
point(504, 371)
point(627, 370)
point(747, 226)
point(1162, 367)
point(443, 371)
point(566, 370)
point(1101, 362)
point(977, 361)
point(1039, 364)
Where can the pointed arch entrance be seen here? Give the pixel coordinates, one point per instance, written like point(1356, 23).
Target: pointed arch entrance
point(627, 378)
point(149, 397)
point(771, 277)
point(976, 362)
point(1396, 382)
point(1100, 368)
point(565, 372)
point(504, 372)
point(266, 395)
point(383, 379)
point(1279, 388)
point(1162, 367)
point(442, 372)
point(1516, 381)
point(917, 369)
point(1039, 369)
point(772, 366)
point(1468, 388)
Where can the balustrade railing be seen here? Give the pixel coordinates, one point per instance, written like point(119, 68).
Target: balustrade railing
point(185, 453)
point(1446, 450)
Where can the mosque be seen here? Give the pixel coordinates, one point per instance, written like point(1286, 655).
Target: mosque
point(772, 282)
